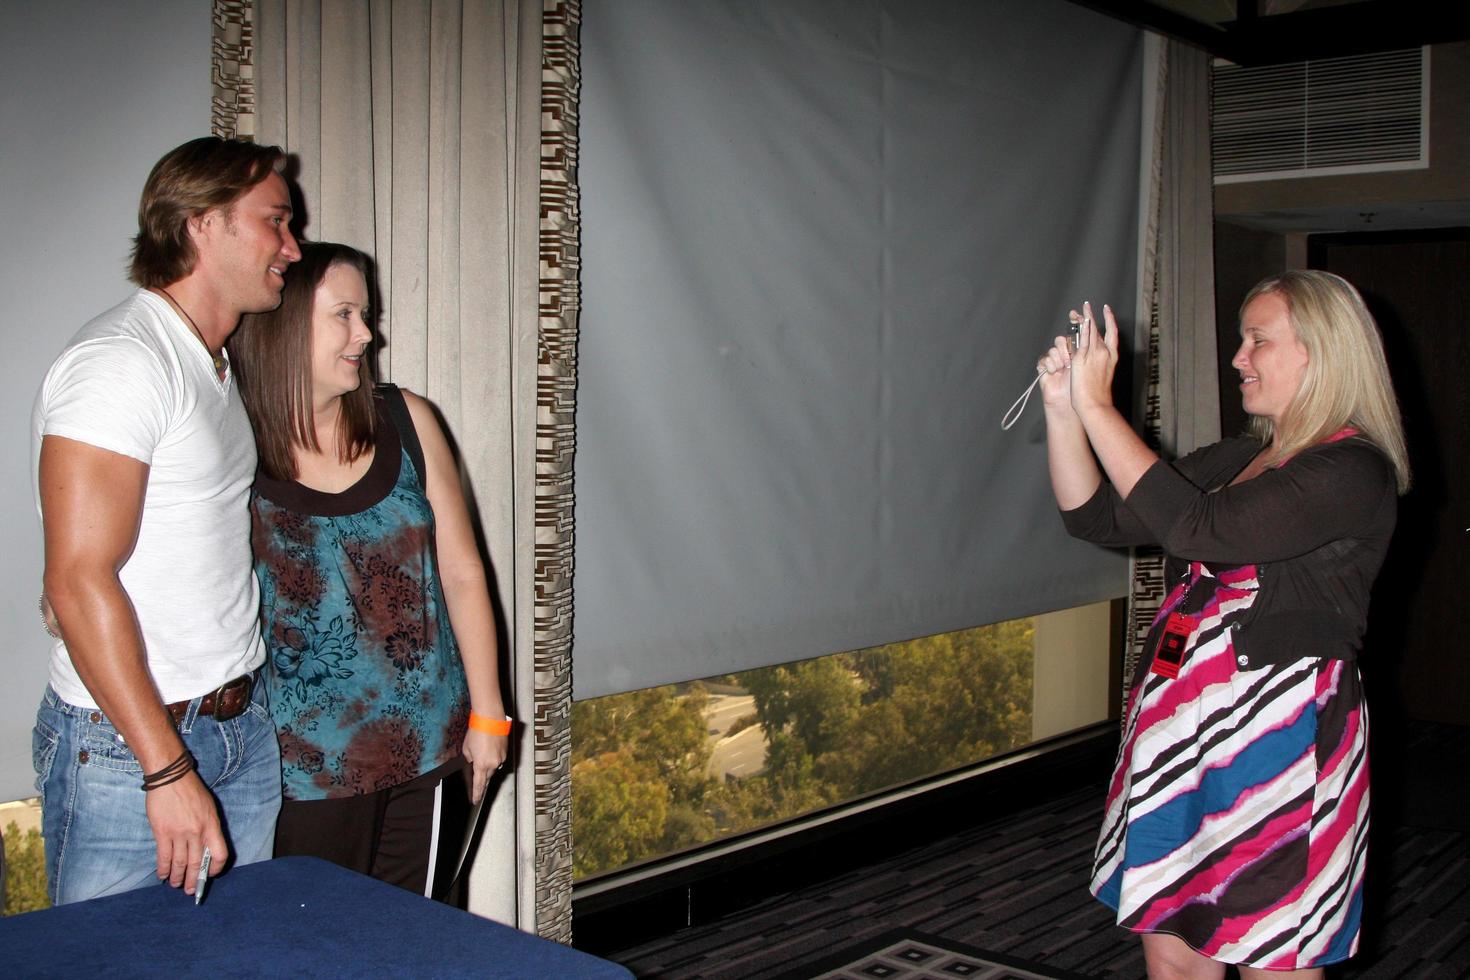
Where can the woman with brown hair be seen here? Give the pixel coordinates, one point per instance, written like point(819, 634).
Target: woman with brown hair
point(1236, 823)
point(374, 604)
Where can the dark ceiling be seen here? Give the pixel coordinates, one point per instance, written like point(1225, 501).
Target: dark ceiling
point(1260, 32)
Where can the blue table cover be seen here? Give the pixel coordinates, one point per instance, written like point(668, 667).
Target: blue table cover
point(291, 917)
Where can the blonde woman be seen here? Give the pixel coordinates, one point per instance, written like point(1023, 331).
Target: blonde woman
point(1236, 821)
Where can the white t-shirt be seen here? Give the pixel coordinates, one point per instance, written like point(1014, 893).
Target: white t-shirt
point(137, 381)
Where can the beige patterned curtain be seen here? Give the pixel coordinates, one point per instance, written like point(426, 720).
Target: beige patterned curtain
point(1181, 395)
point(1189, 386)
point(440, 138)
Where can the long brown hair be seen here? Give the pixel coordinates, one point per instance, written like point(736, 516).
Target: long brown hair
point(270, 354)
point(201, 174)
point(1346, 381)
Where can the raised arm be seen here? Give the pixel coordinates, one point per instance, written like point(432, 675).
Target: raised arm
point(1124, 456)
point(466, 591)
point(1074, 473)
point(91, 504)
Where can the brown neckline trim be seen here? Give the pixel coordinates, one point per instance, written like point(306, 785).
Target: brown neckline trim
point(375, 484)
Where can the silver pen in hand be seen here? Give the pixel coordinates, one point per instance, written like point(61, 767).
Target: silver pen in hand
point(203, 877)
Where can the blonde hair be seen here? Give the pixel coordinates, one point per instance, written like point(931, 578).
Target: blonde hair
point(1346, 381)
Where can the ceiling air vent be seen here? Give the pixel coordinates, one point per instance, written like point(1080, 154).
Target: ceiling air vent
point(1333, 116)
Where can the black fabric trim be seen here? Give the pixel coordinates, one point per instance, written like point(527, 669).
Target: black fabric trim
point(375, 484)
point(1287, 635)
point(392, 396)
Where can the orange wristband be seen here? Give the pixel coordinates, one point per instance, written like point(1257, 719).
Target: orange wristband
point(489, 725)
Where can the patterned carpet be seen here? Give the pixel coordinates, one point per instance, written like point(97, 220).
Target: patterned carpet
point(1018, 887)
point(905, 954)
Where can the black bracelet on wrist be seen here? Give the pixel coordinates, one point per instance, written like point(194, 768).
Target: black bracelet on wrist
point(170, 773)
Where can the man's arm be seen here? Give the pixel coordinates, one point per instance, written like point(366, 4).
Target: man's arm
point(91, 505)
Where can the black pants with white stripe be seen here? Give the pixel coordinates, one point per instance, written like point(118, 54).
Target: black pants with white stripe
point(409, 835)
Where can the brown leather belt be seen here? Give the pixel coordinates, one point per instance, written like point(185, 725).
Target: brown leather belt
point(227, 701)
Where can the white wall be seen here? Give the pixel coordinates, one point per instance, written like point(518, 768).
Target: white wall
point(1070, 674)
point(92, 93)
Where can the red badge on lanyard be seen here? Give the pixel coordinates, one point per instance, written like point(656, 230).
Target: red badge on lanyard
point(1170, 655)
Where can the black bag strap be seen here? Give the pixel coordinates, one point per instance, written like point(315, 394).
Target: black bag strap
point(403, 422)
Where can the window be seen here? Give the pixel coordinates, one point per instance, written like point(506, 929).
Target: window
point(25, 858)
point(665, 769)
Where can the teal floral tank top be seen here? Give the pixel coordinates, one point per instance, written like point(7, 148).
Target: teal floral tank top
point(366, 684)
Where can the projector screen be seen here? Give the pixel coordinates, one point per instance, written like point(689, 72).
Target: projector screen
point(823, 245)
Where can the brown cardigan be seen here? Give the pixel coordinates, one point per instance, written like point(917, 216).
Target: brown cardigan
point(1316, 528)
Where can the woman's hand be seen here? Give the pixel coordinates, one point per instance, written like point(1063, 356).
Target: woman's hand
point(1124, 456)
point(1093, 363)
point(485, 753)
point(1056, 378)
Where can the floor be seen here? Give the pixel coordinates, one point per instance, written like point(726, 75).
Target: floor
point(1017, 886)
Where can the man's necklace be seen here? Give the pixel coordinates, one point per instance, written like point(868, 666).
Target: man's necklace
point(220, 364)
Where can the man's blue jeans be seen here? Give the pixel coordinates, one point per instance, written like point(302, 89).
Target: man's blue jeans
point(98, 839)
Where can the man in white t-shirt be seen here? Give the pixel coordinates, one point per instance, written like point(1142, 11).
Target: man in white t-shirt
point(153, 744)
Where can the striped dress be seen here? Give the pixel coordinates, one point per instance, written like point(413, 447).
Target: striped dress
point(1237, 816)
